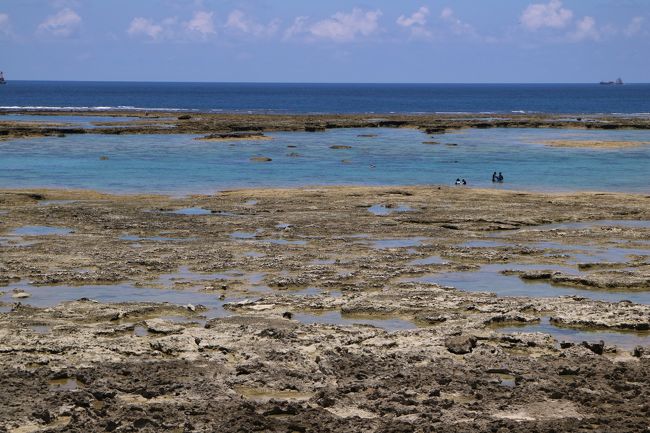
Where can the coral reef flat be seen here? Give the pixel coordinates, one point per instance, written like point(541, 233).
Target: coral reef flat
point(307, 310)
point(225, 125)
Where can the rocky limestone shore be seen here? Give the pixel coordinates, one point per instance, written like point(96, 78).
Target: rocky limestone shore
point(300, 310)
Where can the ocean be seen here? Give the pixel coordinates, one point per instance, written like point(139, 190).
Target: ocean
point(629, 99)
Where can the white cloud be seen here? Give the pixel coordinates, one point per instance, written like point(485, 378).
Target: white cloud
point(299, 26)
point(418, 18)
point(201, 23)
point(343, 27)
point(635, 26)
point(64, 23)
point(144, 26)
point(238, 21)
point(457, 26)
point(5, 25)
point(585, 30)
point(416, 23)
point(551, 14)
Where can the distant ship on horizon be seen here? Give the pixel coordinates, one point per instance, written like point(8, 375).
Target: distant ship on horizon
point(2, 78)
point(618, 82)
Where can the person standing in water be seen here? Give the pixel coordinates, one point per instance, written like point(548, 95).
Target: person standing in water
point(494, 176)
point(500, 177)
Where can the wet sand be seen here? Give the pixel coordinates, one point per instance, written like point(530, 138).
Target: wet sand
point(309, 310)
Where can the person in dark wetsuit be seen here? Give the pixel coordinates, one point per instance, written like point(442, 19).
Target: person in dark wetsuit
point(494, 176)
point(500, 177)
point(464, 182)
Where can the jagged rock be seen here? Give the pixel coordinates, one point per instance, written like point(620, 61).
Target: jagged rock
point(597, 348)
point(461, 344)
point(159, 326)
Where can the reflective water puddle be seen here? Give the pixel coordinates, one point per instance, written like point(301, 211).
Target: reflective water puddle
point(185, 275)
point(55, 202)
point(506, 380)
point(41, 329)
point(397, 243)
point(192, 211)
point(40, 231)
point(491, 279)
point(248, 236)
point(282, 242)
point(323, 261)
point(336, 318)
point(383, 210)
point(48, 296)
point(625, 340)
point(64, 384)
point(243, 235)
point(577, 253)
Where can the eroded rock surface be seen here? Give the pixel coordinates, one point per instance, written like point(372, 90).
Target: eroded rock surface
point(314, 316)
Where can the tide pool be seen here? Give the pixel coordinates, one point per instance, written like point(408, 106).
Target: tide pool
point(179, 164)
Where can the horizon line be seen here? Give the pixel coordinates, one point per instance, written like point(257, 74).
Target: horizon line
point(316, 82)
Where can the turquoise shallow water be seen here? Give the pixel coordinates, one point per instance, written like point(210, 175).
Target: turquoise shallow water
point(178, 164)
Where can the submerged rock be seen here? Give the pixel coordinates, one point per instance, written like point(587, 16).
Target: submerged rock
point(239, 135)
point(261, 159)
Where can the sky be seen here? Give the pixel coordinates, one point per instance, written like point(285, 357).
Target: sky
point(406, 41)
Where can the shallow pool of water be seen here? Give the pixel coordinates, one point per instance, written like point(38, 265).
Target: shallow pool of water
point(47, 296)
point(178, 164)
point(592, 253)
point(243, 235)
point(282, 242)
point(185, 275)
point(397, 243)
point(490, 279)
point(55, 202)
point(192, 211)
point(382, 210)
point(64, 384)
point(336, 318)
point(625, 340)
point(40, 231)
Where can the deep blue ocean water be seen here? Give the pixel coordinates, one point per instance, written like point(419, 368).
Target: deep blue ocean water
point(179, 164)
point(329, 98)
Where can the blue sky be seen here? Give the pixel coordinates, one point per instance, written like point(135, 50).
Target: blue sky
point(326, 41)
